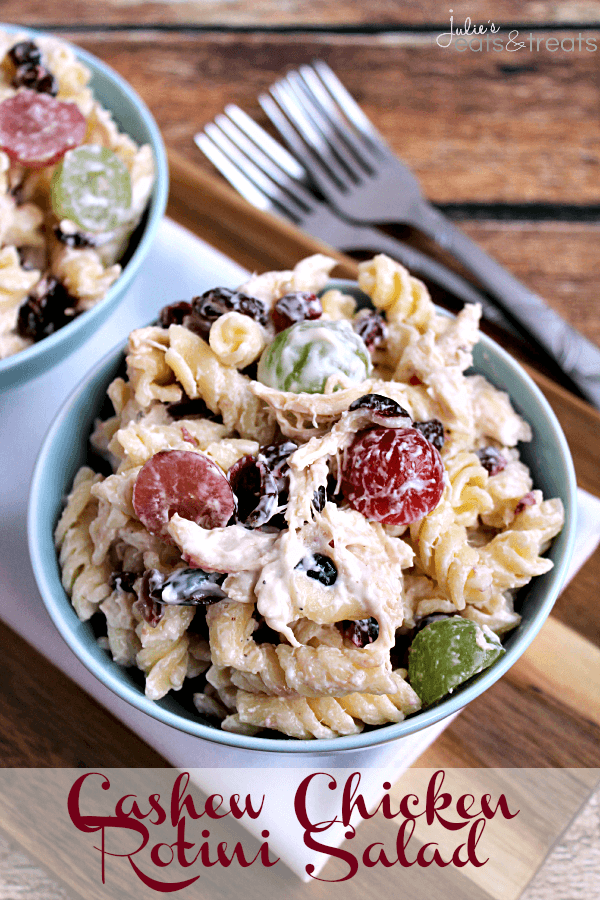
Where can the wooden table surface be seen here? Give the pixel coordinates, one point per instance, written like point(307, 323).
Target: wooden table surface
point(507, 143)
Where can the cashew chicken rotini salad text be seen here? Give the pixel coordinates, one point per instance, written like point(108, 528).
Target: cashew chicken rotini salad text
point(72, 190)
point(313, 519)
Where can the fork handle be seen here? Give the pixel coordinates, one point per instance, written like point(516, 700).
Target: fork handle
point(577, 356)
point(366, 238)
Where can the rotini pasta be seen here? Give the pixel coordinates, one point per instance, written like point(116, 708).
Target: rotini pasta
point(236, 340)
point(279, 550)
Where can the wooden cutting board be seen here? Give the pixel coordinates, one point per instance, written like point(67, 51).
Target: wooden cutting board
point(544, 713)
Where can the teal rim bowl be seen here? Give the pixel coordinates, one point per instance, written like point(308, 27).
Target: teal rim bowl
point(64, 451)
point(133, 117)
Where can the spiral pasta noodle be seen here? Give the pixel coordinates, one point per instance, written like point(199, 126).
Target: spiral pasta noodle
point(236, 340)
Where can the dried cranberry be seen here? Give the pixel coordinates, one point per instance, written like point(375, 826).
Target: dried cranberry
point(186, 587)
point(255, 488)
point(524, 502)
point(392, 475)
point(361, 632)
point(149, 609)
point(275, 457)
point(319, 567)
point(123, 581)
point(36, 78)
point(415, 381)
point(433, 430)
point(295, 308)
point(260, 484)
point(372, 328)
point(263, 634)
point(46, 310)
point(491, 460)
point(192, 409)
point(320, 498)
point(383, 407)
point(174, 314)
point(324, 493)
point(209, 306)
point(73, 238)
point(25, 53)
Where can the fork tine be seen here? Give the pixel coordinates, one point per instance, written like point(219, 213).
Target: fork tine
point(276, 194)
point(320, 174)
point(337, 121)
point(255, 152)
point(261, 138)
point(350, 107)
point(234, 176)
point(327, 129)
point(293, 105)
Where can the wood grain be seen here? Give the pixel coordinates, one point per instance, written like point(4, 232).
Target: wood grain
point(471, 129)
point(47, 720)
point(558, 260)
point(298, 13)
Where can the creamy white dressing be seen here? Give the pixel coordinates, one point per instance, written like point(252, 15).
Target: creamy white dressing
point(229, 549)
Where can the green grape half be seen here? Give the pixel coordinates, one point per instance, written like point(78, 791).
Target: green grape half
point(92, 188)
point(447, 653)
point(303, 357)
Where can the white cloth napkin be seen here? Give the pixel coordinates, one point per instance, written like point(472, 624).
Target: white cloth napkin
point(180, 265)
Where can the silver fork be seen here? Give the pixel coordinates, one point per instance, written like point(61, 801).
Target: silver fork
point(361, 177)
point(271, 179)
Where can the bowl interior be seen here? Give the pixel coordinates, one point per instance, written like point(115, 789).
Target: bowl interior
point(65, 450)
point(133, 117)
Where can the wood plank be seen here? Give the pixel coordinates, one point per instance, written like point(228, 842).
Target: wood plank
point(558, 260)
point(580, 689)
point(472, 129)
point(515, 848)
point(299, 12)
point(517, 725)
point(46, 720)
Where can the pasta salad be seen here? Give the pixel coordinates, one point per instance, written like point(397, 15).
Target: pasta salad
point(310, 516)
point(72, 190)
